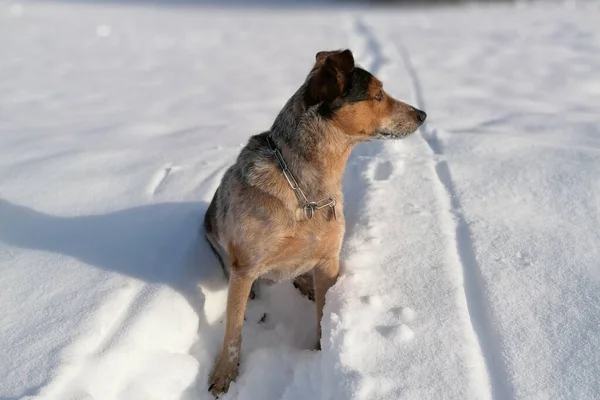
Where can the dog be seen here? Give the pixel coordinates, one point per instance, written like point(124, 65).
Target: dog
point(278, 212)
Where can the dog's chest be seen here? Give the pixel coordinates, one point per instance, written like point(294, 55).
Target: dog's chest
point(287, 272)
point(301, 253)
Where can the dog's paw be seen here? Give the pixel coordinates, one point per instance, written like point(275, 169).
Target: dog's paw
point(304, 283)
point(221, 377)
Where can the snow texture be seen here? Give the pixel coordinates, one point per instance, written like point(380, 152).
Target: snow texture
point(471, 264)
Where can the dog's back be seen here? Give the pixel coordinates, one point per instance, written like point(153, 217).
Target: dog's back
point(248, 176)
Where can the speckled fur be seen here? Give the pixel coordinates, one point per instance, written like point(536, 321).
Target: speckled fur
point(255, 222)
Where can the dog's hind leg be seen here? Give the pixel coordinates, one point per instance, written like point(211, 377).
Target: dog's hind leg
point(306, 285)
point(217, 249)
point(222, 257)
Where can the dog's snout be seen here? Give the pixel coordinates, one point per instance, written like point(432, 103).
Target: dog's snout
point(421, 115)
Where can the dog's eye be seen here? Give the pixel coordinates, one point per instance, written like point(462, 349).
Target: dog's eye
point(379, 95)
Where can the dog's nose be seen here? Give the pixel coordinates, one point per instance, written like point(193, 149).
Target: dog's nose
point(421, 115)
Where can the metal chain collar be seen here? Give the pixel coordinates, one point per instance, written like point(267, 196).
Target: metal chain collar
point(309, 207)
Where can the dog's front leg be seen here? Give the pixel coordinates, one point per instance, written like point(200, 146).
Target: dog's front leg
point(326, 273)
point(226, 368)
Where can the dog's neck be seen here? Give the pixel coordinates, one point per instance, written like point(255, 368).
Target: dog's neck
point(314, 150)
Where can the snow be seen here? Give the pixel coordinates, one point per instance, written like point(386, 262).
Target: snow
point(471, 264)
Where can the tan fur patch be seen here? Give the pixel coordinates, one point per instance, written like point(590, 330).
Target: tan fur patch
point(363, 119)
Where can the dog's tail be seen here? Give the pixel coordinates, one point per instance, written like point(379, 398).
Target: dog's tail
point(209, 235)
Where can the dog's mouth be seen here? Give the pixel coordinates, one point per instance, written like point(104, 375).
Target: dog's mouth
point(385, 134)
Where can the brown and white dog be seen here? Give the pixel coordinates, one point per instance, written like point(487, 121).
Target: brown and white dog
point(278, 212)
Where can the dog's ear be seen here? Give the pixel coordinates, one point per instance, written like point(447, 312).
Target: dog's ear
point(329, 77)
point(344, 60)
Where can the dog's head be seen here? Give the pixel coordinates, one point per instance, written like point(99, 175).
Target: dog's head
point(355, 101)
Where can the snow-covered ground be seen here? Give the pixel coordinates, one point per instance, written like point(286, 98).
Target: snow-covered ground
point(472, 257)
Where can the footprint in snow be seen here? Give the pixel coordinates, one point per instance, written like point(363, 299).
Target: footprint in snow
point(383, 171)
point(400, 333)
point(413, 209)
point(371, 300)
point(523, 258)
point(407, 313)
point(397, 332)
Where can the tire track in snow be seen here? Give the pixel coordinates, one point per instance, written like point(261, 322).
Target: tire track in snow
point(357, 180)
point(361, 232)
point(373, 47)
point(478, 308)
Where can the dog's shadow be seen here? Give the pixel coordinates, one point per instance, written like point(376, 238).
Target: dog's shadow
point(157, 244)
point(131, 242)
point(160, 244)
